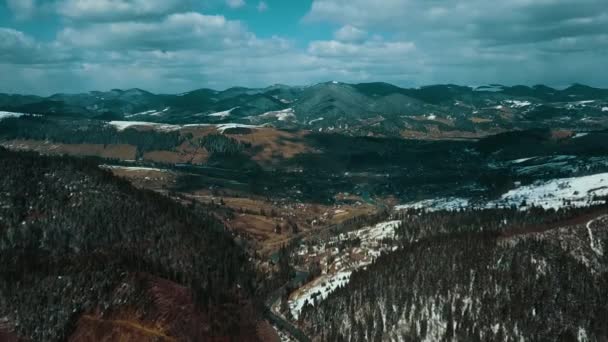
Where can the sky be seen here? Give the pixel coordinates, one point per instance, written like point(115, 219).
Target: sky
point(171, 46)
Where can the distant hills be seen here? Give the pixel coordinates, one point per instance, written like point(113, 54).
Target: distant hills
point(364, 109)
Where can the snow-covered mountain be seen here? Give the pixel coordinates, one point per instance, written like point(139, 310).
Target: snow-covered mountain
point(367, 108)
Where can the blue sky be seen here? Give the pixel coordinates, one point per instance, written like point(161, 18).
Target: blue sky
point(169, 46)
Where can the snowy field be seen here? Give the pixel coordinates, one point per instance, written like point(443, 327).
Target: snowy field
point(557, 193)
point(552, 194)
point(223, 114)
point(132, 168)
point(6, 115)
point(281, 115)
point(344, 264)
point(122, 125)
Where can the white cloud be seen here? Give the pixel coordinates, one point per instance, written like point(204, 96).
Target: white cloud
point(18, 48)
point(161, 46)
point(235, 3)
point(175, 32)
point(379, 50)
point(111, 10)
point(262, 6)
point(349, 33)
point(490, 22)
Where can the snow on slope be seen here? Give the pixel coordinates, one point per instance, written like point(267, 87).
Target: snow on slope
point(557, 193)
point(436, 204)
point(315, 120)
point(4, 115)
point(345, 262)
point(521, 160)
point(152, 112)
point(223, 114)
point(221, 128)
point(122, 125)
point(281, 115)
point(518, 104)
point(318, 290)
point(552, 194)
point(132, 168)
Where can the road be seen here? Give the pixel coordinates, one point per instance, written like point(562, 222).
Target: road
point(279, 321)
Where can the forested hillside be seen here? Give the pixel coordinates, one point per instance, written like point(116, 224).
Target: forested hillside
point(473, 276)
point(79, 246)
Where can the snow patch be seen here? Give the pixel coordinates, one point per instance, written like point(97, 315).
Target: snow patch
point(522, 160)
point(436, 204)
point(4, 115)
point(596, 246)
point(132, 168)
point(223, 114)
point(557, 193)
point(122, 125)
point(518, 104)
point(552, 194)
point(315, 120)
point(221, 128)
point(369, 249)
point(318, 290)
point(281, 115)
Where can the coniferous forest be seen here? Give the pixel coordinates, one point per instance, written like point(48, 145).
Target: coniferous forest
point(491, 275)
point(76, 240)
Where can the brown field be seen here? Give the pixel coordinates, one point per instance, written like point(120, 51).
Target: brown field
point(561, 134)
point(272, 145)
point(476, 119)
point(186, 153)
point(198, 131)
point(146, 178)
point(275, 144)
point(434, 133)
point(309, 217)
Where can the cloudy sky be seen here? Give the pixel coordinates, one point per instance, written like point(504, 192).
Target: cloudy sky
point(49, 46)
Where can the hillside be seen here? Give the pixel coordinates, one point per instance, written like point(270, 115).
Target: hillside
point(471, 276)
point(86, 256)
point(430, 112)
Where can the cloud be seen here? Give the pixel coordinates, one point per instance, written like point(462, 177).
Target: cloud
point(520, 41)
point(262, 6)
point(113, 10)
point(177, 31)
point(505, 22)
point(165, 46)
point(378, 50)
point(18, 48)
point(235, 3)
point(349, 33)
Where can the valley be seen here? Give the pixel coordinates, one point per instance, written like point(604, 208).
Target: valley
point(321, 218)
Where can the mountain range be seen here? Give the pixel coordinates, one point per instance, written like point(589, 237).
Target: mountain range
point(435, 111)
